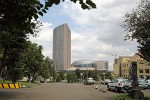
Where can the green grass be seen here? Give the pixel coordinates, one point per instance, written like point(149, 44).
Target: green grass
point(25, 83)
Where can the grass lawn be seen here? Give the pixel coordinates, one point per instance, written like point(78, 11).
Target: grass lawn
point(25, 83)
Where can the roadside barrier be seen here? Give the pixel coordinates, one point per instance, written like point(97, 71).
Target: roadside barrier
point(10, 85)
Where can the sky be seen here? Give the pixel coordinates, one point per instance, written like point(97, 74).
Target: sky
point(96, 34)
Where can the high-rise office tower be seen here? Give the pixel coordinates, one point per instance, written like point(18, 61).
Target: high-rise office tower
point(62, 47)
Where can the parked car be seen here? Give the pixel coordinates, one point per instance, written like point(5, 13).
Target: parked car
point(89, 81)
point(148, 83)
point(106, 81)
point(127, 84)
point(117, 85)
point(143, 84)
point(42, 80)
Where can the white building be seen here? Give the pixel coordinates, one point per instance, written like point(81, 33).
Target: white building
point(101, 65)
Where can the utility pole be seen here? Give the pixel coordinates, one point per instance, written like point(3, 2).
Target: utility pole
point(135, 91)
point(87, 73)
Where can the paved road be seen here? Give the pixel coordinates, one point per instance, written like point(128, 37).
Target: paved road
point(57, 91)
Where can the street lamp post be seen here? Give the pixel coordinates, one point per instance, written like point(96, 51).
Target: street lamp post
point(52, 66)
point(104, 77)
point(65, 75)
point(30, 79)
point(81, 76)
point(87, 72)
point(104, 87)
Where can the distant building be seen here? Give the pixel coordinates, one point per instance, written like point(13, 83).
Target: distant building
point(83, 65)
point(62, 47)
point(101, 65)
point(122, 67)
point(90, 65)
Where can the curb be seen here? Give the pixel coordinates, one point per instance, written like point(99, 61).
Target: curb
point(10, 85)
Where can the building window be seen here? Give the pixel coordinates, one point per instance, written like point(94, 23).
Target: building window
point(141, 76)
point(146, 70)
point(147, 77)
point(140, 70)
point(115, 61)
point(148, 64)
point(141, 62)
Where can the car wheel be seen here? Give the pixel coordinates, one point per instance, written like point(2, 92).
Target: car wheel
point(108, 88)
point(116, 89)
point(148, 86)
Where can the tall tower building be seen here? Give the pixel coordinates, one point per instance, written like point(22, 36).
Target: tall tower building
point(62, 47)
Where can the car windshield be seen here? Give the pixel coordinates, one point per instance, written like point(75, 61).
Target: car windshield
point(90, 78)
point(126, 81)
point(142, 81)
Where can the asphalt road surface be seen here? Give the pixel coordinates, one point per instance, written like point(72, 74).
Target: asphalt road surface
point(57, 91)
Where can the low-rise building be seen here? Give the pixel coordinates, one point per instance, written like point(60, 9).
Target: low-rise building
point(101, 65)
point(123, 63)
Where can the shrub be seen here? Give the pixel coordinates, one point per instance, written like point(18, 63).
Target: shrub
point(122, 97)
point(16, 74)
point(146, 98)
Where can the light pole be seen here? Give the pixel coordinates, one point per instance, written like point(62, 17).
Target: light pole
point(104, 77)
point(29, 80)
point(87, 73)
point(65, 75)
point(52, 66)
point(81, 76)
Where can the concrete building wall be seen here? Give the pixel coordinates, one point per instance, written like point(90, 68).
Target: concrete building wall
point(101, 65)
point(62, 47)
point(123, 64)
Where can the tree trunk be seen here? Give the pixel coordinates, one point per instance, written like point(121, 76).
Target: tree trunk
point(3, 58)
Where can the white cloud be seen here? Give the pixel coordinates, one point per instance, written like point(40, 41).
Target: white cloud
point(101, 29)
point(96, 34)
point(45, 38)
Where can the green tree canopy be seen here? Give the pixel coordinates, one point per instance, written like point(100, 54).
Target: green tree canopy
point(18, 18)
point(33, 59)
point(138, 26)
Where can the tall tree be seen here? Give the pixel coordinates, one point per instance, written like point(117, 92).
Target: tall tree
point(33, 59)
point(50, 66)
point(78, 72)
point(22, 17)
point(138, 25)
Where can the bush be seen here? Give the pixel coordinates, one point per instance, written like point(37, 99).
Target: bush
point(122, 97)
point(16, 74)
point(146, 98)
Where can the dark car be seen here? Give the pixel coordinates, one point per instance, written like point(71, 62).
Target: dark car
point(143, 84)
point(42, 80)
point(106, 81)
point(89, 81)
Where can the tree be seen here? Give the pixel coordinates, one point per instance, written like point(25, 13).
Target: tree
point(15, 74)
point(22, 16)
point(71, 77)
point(50, 65)
point(33, 59)
point(88, 4)
point(19, 15)
point(18, 19)
point(77, 72)
point(138, 25)
point(45, 72)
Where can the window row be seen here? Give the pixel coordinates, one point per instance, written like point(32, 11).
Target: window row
point(142, 70)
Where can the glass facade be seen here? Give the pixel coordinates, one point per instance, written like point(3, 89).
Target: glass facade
point(83, 63)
